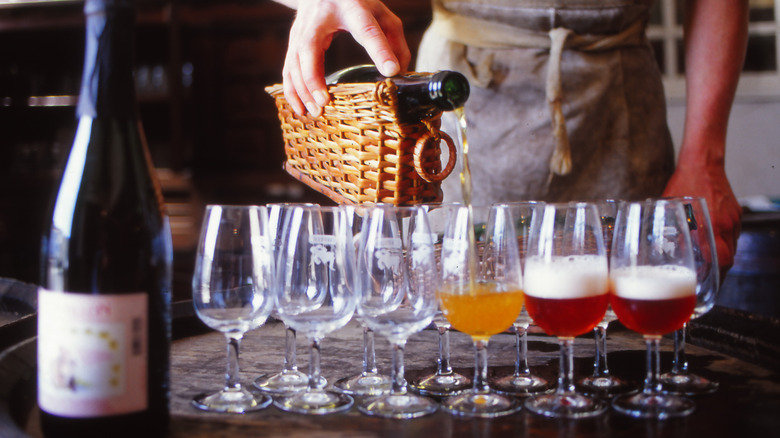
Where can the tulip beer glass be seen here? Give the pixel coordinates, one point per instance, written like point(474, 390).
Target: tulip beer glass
point(653, 293)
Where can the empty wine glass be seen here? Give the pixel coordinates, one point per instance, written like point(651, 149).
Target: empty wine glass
point(289, 379)
point(521, 381)
point(654, 292)
point(680, 379)
point(603, 382)
point(566, 293)
point(369, 381)
point(233, 292)
point(396, 292)
point(444, 381)
point(315, 271)
point(481, 294)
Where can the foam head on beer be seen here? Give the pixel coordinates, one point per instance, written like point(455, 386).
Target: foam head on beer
point(566, 295)
point(566, 277)
point(653, 282)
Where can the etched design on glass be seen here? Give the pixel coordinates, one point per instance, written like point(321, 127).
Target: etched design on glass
point(320, 255)
point(667, 244)
point(387, 258)
point(321, 252)
point(388, 254)
point(453, 255)
point(422, 246)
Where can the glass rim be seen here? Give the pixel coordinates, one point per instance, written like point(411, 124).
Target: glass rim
point(515, 203)
point(317, 207)
point(234, 206)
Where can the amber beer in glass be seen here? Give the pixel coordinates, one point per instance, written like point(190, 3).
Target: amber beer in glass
point(484, 311)
point(481, 294)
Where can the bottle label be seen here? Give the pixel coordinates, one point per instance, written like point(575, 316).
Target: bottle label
point(92, 354)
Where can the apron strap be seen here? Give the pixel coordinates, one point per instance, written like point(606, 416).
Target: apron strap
point(560, 162)
point(476, 32)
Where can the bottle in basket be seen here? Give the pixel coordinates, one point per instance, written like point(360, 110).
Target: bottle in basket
point(419, 94)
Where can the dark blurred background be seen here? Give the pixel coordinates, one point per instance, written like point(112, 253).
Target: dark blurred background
point(201, 68)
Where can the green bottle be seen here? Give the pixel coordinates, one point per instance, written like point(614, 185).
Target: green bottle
point(420, 95)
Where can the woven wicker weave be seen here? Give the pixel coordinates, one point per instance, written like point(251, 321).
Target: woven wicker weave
point(357, 151)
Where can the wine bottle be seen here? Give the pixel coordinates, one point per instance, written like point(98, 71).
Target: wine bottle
point(419, 94)
point(104, 300)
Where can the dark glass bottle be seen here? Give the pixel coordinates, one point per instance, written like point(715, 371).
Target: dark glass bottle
point(104, 327)
point(420, 95)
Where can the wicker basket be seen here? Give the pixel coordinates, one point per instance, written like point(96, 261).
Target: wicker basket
point(357, 151)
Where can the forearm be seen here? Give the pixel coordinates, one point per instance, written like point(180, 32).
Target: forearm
point(715, 41)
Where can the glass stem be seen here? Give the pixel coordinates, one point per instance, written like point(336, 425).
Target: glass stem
point(289, 350)
point(369, 353)
point(314, 365)
point(399, 382)
point(680, 364)
point(652, 384)
point(600, 368)
point(481, 366)
point(232, 374)
point(444, 366)
point(566, 373)
point(518, 354)
point(524, 369)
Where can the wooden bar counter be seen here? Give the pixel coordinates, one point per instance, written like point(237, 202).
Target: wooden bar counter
point(747, 403)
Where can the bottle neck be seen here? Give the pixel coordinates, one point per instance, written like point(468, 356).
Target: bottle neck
point(449, 90)
point(107, 86)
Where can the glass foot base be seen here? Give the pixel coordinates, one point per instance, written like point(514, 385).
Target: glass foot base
point(660, 406)
point(281, 383)
point(235, 401)
point(524, 384)
point(365, 384)
point(688, 384)
point(398, 406)
point(316, 402)
point(605, 385)
point(441, 385)
point(481, 405)
point(565, 405)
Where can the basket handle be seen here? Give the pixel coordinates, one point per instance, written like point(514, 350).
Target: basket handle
point(422, 142)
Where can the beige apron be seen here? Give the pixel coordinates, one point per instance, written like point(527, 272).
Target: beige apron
point(566, 98)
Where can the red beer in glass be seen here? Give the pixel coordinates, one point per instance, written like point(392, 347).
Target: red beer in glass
point(566, 296)
point(653, 300)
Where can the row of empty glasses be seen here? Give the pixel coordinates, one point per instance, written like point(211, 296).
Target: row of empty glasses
point(479, 270)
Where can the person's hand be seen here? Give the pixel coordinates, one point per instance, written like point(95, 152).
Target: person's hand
point(371, 24)
point(725, 212)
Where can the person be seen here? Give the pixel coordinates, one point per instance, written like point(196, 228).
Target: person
point(567, 100)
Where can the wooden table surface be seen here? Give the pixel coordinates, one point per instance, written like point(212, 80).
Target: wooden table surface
point(748, 396)
point(746, 404)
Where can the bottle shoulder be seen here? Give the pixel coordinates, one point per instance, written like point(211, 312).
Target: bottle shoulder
point(366, 73)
